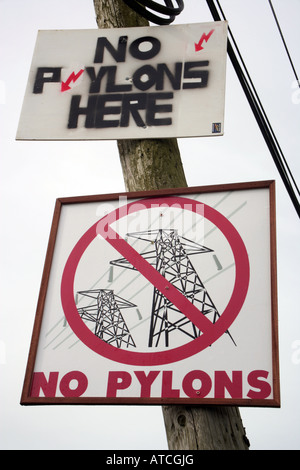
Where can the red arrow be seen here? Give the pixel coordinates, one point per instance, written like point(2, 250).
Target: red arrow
point(72, 78)
point(204, 37)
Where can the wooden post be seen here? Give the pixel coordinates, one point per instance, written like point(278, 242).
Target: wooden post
point(146, 164)
point(156, 164)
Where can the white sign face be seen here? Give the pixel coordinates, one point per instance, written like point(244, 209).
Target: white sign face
point(159, 298)
point(150, 82)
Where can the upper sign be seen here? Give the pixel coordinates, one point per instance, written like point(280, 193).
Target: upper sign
point(159, 297)
point(150, 82)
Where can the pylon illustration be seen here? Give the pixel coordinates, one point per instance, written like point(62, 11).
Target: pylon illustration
point(110, 325)
point(170, 257)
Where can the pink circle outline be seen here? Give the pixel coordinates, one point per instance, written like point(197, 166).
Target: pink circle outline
point(231, 311)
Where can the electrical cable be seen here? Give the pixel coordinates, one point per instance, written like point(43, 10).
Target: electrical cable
point(142, 7)
point(284, 43)
point(258, 111)
point(259, 102)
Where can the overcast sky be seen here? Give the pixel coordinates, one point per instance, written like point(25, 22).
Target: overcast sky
point(34, 174)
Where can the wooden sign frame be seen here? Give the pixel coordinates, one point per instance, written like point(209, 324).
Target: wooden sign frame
point(57, 386)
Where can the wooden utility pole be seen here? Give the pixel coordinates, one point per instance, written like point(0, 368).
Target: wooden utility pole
point(156, 164)
point(146, 164)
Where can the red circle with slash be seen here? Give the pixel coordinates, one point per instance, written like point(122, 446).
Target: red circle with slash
point(210, 332)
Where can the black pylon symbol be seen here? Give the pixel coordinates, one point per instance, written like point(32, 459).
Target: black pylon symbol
point(110, 325)
point(170, 256)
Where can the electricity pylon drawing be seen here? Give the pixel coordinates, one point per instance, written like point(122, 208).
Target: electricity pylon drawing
point(110, 325)
point(171, 258)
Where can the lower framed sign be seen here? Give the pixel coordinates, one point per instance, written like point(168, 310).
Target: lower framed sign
point(160, 297)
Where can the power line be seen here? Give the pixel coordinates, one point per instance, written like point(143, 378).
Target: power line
point(284, 43)
point(258, 110)
point(287, 171)
point(149, 9)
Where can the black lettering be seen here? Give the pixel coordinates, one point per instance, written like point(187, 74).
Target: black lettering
point(147, 54)
point(46, 75)
point(144, 77)
point(96, 80)
point(153, 108)
point(125, 106)
point(174, 78)
point(202, 75)
point(76, 111)
point(131, 105)
point(118, 54)
point(103, 110)
point(111, 86)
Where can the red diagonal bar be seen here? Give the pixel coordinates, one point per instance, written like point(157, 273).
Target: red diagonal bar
point(152, 275)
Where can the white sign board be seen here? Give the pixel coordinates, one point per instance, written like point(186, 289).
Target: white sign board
point(165, 297)
point(150, 82)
